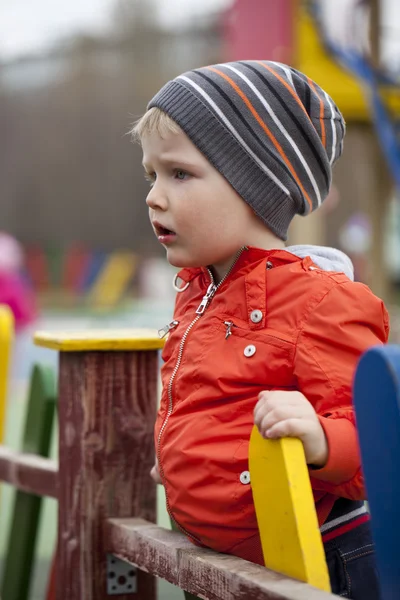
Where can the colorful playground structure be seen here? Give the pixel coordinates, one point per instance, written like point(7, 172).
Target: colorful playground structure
point(77, 276)
point(108, 541)
point(6, 339)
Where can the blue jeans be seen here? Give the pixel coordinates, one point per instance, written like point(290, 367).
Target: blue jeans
point(351, 564)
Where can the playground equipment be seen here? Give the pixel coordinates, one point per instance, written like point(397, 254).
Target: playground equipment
point(287, 520)
point(26, 511)
point(377, 402)
point(80, 277)
point(6, 338)
point(380, 91)
point(108, 543)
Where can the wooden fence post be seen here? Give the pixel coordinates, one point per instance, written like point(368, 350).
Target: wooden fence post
point(107, 408)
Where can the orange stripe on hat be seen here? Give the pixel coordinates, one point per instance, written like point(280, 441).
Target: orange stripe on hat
point(321, 112)
point(287, 86)
point(266, 129)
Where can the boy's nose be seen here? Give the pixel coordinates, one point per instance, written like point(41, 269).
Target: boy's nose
point(156, 199)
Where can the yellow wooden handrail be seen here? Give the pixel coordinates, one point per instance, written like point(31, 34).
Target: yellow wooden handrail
point(286, 516)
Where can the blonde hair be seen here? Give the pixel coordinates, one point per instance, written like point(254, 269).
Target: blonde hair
point(154, 120)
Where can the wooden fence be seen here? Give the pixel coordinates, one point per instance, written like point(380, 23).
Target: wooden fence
point(108, 542)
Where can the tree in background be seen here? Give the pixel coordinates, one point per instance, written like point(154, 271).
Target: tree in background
point(68, 171)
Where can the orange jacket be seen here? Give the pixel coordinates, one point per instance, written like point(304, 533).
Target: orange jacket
point(308, 332)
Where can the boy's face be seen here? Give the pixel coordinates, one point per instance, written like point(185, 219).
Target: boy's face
point(194, 211)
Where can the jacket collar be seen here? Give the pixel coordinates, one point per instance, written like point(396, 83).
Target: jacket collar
point(254, 264)
point(247, 260)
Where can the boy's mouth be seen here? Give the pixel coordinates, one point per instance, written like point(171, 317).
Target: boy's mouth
point(162, 232)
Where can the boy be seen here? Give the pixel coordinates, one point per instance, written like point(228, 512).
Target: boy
point(260, 333)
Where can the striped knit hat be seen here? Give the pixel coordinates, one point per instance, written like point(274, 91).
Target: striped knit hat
point(271, 131)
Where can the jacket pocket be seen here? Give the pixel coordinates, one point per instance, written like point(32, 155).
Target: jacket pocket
point(361, 573)
point(340, 581)
point(255, 358)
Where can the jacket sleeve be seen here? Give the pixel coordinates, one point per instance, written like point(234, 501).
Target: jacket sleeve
point(346, 321)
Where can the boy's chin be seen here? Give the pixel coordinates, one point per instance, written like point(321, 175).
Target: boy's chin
point(181, 261)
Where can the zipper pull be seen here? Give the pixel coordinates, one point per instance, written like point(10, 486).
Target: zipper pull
point(163, 332)
point(212, 288)
point(228, 325)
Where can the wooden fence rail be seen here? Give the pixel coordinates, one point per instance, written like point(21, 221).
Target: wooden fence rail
point(29, 473)
point(107, 399)
point(203, 572)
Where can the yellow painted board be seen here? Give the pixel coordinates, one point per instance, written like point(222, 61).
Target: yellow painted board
point(113, 280)
point(105, 339)
point(6, 339)
point(346, 90)
point(286, 516)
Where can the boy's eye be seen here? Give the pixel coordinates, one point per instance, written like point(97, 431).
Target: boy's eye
point(179, 174)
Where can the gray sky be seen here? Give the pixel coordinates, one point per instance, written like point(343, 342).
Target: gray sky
point(32, 25)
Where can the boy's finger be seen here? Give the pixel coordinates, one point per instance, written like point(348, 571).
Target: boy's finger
point(279, 412)
point(260, 409)
point(292, 397)
point(287, 428)
point(267, 402)
point(267, 420)
point(155, 475)
point(260, 404)
point(259, 413)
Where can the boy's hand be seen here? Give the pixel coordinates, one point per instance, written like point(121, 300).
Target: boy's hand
point(155, 473)
point(289, 414)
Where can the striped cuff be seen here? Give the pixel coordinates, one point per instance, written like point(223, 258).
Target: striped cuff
point(344, 457)
point(349, 516)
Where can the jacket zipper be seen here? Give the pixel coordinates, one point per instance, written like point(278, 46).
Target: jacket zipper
point(163, 332)
point(210, 293)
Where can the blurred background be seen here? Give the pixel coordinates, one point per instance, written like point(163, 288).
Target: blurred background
point(76, 249)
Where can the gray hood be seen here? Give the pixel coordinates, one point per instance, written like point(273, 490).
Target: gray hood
point(327, 259)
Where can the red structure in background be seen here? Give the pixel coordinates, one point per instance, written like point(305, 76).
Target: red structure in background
point(260, 30)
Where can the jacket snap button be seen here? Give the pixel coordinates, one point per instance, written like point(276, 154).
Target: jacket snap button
point(249, 350)
point(269, 265)
point(256, 316)
point(245, 477)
